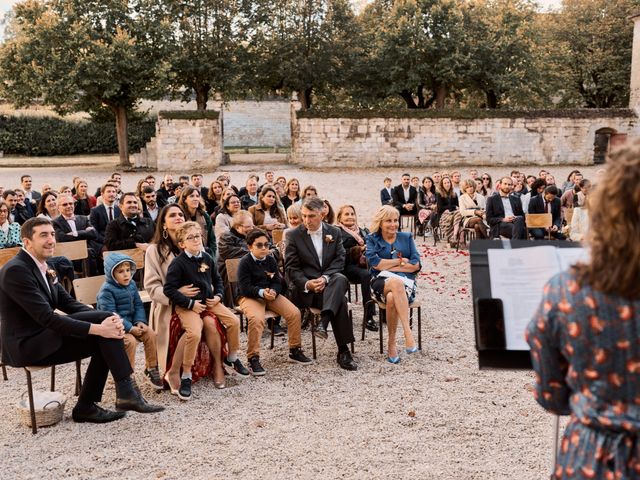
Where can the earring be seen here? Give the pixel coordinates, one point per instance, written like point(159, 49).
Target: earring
point(164, 234)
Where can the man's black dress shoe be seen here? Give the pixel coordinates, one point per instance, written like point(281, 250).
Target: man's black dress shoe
point(371, 325)
point(128, 397)
point(320, 331)
point(345, 360)
point(94, 414)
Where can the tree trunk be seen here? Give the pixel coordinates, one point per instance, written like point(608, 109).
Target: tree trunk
point(408, 98)
point(120, 113)
point(441, 95)
point(492, 99)
point(202, 97)
point(421, 96)
point(304, 97)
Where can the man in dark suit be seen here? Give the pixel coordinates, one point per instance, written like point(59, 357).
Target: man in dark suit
point(405, 197)
point(129, 230)
point(548, 202)
point(32, 333)
point(32, 196)
point(504, 212)
point(101, 215)
point(250, 197)
point(314, 258)
point(385, 193)
point(196, 181)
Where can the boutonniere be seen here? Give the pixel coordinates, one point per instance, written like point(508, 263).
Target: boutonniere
point(270, 274)
point(203, 267)
point(51, 273)
point(328, 238)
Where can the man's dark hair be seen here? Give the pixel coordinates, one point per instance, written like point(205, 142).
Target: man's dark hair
point(6, 193)
point(23, 177)
point(26, 231)
point(552, 189)
point(116, 173)
point(147, 189)
point(149, 176)
point(406, 175)
point(539, 182)
point(313, 203)
point(183, 178)
point(254, 234)
point(194, 175)
point(108, 184)
point(125, 195)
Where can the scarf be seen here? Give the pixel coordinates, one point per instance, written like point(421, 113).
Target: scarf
point(354, 232)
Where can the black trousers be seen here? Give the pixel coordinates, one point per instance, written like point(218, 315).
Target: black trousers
point(333, 304)
point(360, 275)
point(107, 355)
point(541, 234)
point(513, 230)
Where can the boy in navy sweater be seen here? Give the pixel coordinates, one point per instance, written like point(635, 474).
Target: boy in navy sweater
point(259, 289)
point(196, 267)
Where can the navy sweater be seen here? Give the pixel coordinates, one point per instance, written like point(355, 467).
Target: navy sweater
point(201, 272)
point(253, 277)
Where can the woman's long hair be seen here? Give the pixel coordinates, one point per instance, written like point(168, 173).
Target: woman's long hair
point(164, 242)
point(614, 228)
point(225, 205)
point(42, 209)
point(383, 213)
point(274, 211)
point(183, 201)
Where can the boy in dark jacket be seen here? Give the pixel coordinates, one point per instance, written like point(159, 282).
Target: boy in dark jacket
point(120, 295)
point(196, 267)
point(259, 289)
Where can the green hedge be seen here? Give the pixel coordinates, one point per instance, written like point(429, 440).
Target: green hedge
point(466, 114)
point(46, 136)
point(188, 114)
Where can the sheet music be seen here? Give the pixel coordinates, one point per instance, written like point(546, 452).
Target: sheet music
point(517, 278)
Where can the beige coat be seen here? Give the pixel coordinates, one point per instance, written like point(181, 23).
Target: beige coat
point(468, 207)
point(155, 275)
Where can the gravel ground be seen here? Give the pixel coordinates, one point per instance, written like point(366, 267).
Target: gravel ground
point(435, 415)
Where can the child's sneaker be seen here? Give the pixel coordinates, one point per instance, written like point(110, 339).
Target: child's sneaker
point(184, 392)
point(255, 367)
point(237, 365)
point(153, 377)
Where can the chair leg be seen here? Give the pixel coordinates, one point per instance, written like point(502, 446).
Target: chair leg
point(78, 377)
point(382, 318)
point(353, 348)
point(364, 321)
point(4, 373)
point(32, 411)
point(273, 330)
point(313, 337)
point(53, 378)
point(420, 328)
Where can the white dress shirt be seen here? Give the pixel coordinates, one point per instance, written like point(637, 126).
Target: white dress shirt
point(316, 238)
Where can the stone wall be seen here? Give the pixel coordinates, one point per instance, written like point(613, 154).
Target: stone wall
point(183, 145)
point(378, 142)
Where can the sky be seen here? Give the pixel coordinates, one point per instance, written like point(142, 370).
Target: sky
point(6, 4)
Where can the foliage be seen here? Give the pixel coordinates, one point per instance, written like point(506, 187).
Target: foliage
point(189, 114)
point(44, 136)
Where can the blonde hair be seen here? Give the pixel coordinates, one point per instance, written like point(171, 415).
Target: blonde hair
point(468, 183)
point(183, 230)
point(294, 210)
point(385, 212)
point(614, 228)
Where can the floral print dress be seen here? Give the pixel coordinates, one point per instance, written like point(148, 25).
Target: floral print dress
point(585, 349)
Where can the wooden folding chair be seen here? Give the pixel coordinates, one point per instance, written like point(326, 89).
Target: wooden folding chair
point(86, 290)
point(6, 254)
point(277, 236)
point(232, 279)
point(316, 314)
point(539, 220)
point(76, 250)
point(137, 255)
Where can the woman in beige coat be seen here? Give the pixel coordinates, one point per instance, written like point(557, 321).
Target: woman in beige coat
point(472, 209)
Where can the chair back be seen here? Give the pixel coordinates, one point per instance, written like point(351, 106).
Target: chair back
point(7, 254)
point(568, 215)
point(76, 250)
point(539, 220)
point(86, 289)
point(232, 269)
point(137, 254)
point(277, 235)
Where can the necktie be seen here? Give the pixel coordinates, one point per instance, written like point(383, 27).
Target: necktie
point(110, 213)
point(546, 207)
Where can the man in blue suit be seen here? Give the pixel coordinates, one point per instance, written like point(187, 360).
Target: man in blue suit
point(101, 215)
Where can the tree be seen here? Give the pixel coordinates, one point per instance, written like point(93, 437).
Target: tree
point(209, 47)
point(299, 45)
point(590, 45)
point(81, 55)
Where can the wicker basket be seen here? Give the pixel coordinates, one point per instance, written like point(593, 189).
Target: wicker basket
point(48, 407)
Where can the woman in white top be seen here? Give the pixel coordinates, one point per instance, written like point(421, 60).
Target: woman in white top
point(580, 219)
point(48, 206)
point(230, 206)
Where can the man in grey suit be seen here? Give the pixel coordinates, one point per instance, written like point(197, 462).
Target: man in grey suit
point(314, 260)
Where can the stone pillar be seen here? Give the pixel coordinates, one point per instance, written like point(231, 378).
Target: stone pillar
point(634, 87)
point(295, 131)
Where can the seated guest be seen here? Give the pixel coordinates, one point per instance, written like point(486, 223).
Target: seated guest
point(571, 181)
point(427, 203)
point(84, 201)
point(314, 260)
point(584, 336)
point(233, 244)
point(405, 197)
point(294, 217)
point(202, 312)
point(65, 190)
point(48, 206)
point(283, 182)
point(33, 333)
point(580, 219)
point(165, 191)
point(548, 202)
point(308, 192)
point(230, 206)
point(472, 213)
point(291, 193)
point(355, 268)
point(17, 212)
point(504, 213)
point(129, 230)
point(193, 206)
point(386, 194)
point(394, 263)
point(177, 191)
point(328, 215)
point(25, 203)
point(537, 187)
point(102, 215)
point(487, 184)
point(9, 231)
point(449, 218)
point(149, 203)
point(259, 289)
point(32, 196)
point(196, 181)
point(120, 295)
point(243, 190)
point(251, 196)
point(214, 197)
point(267, 214)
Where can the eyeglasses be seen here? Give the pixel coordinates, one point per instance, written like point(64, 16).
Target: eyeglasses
point(485, 178)
point(191, 238)
point(234, 203)
point(66, 204)
point(261, 245)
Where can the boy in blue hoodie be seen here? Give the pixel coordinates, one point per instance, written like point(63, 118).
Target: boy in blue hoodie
point(120, 295)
